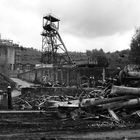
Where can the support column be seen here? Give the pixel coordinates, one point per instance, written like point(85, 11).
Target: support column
point(62, 81)
point(68, 78)
point(9, 92)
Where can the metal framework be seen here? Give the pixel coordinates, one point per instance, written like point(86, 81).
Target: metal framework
point(53, 48)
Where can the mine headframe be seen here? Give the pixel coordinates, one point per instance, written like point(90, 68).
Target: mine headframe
point(54, 50)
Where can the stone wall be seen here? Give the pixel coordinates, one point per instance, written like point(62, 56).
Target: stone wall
point(52, 91)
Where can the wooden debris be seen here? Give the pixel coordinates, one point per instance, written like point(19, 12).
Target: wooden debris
point(122, 90)
point(121, 104)
point(113, 114)
point(95, 102)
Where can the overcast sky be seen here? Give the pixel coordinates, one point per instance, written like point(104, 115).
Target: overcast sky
point(84, 25)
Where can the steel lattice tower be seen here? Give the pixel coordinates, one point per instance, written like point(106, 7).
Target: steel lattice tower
point(53, 48)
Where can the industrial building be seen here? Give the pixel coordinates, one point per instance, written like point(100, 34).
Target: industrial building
point(13, 58)
point(7, 55)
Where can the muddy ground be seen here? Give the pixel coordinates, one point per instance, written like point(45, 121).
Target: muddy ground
point(37, 126)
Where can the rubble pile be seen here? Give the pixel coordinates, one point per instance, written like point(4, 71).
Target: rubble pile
point(116, 103)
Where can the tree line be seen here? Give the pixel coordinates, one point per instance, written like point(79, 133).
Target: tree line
point(119, 59)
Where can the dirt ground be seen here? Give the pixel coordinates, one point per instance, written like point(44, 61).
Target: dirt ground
point(67, 135)
point(47, 127)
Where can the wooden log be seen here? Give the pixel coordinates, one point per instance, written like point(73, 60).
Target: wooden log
point(22, 111)
point(134, 74)
point(113, 114)
point(122, 90)
point(120, 104)
point(91, 102)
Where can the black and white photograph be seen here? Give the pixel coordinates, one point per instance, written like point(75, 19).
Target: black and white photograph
point(69, 69)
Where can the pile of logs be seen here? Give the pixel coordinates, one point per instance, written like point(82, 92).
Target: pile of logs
point(120, 102)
